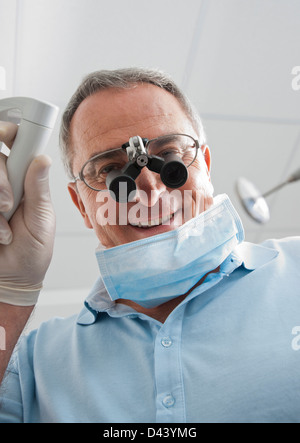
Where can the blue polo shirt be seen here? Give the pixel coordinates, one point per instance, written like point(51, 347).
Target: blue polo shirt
point(227, 354)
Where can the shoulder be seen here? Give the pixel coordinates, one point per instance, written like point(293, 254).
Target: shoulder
point(285, 267)
point(49, 336)
point(289, 246)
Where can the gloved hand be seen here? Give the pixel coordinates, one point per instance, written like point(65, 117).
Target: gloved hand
point(26, 243)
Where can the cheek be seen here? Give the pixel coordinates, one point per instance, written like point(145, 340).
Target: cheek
point(108, 212)
point(90, 201)
point(93, 202)
point(201, 189)
point(199, 178)
point(103, 209)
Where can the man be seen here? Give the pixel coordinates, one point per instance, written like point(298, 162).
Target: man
point(187, 322)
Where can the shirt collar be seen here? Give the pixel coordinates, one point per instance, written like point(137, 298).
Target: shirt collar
point(249, 255)
point(254, 256)
point(99, 301)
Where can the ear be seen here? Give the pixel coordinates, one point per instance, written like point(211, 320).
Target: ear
point(207, 157)
point(76, 198)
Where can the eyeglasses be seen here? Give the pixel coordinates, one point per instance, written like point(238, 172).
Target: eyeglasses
point(94, 172)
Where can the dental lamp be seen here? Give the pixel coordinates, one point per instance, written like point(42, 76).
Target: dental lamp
point(254, 202)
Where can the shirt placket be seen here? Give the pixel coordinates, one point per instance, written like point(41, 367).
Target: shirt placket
point(170, 401)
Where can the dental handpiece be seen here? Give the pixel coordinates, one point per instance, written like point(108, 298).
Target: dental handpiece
point(37, 122)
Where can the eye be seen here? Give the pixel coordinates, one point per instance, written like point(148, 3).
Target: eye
point(104, 170)
point(169, 150)
point(96, 172)
point(172, 151)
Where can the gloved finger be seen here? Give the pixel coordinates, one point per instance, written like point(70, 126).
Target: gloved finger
point(8, 132)
point(37, 180)
point(5, 232)
point(6, 194)
point(38, 209)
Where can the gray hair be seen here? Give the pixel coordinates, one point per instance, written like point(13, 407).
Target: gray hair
point(120, 79)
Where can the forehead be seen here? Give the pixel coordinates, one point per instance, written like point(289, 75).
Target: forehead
point(110, 117)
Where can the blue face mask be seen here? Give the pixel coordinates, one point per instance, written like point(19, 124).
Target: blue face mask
point(156, 269)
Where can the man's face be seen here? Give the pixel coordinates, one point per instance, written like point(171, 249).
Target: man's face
point(107, 120)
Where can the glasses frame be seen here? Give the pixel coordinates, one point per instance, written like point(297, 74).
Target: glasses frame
point(146, 141)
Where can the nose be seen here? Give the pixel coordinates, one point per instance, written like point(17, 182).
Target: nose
point(149, 188)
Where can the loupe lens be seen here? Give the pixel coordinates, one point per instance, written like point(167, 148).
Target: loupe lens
point(122, 187)
point(174, 173)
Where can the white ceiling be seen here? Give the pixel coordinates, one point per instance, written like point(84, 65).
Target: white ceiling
point(234, 59)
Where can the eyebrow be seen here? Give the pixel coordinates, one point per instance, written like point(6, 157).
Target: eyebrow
point(105, 154)
point(160, 141)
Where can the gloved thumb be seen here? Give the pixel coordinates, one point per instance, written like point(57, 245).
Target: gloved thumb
point(38, 210)
point(37, 179)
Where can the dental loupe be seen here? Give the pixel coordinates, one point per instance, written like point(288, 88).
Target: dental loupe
point(121, 183)
point(254, 202)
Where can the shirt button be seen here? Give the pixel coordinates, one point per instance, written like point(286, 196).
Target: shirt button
point(168, 401)
point(166, 342)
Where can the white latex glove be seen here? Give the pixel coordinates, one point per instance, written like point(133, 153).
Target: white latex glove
point(26, 243)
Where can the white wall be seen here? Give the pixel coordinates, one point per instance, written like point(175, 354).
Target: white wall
point(234, 59)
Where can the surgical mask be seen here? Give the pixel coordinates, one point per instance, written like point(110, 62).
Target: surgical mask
point(157, 269)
